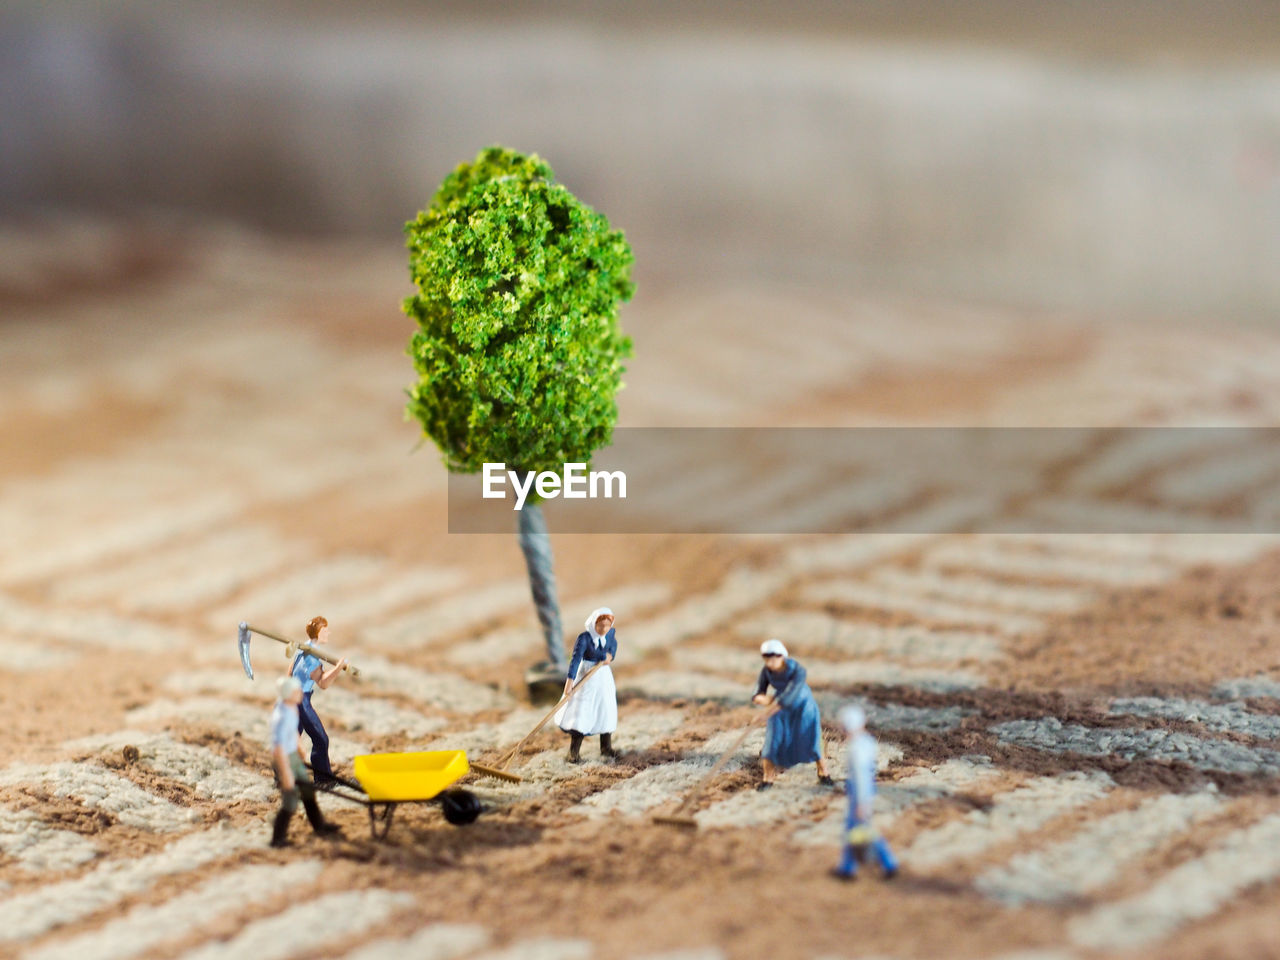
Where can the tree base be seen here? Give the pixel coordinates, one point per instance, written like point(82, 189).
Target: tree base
point(545, 682)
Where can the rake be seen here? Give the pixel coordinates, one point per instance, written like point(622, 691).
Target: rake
point(485, 771)
point(674, 818)
point(507, 757)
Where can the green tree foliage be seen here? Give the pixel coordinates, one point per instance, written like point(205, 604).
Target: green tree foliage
point(518, 349)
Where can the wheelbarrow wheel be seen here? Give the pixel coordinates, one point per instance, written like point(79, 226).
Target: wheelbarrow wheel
point(460, 807)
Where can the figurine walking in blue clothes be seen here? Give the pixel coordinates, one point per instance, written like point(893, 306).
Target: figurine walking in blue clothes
point(309, 671)
point(794, 731)
point(861, 837)
point(593, 709)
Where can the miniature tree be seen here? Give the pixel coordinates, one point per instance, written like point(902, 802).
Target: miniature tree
point(518, 349)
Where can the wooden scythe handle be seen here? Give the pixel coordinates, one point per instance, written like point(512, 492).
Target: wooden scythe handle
point(305, 647)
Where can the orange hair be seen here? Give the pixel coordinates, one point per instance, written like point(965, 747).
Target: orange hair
point(315, 626)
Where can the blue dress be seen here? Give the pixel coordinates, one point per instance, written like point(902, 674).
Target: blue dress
point(794, 733)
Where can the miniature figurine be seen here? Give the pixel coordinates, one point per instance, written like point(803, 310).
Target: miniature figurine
point(291, 773)
point(794, 733)
point(309, 671)
point(860, 835)
point(593, 709)
point(517, 348)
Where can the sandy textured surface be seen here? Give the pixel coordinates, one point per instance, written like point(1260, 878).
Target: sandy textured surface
point(1079, 734)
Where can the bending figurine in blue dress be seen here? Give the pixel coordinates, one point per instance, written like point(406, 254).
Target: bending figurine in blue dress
point(794, 733)
point(860, 836)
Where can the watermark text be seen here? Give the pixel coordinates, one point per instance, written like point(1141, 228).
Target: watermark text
point(574, 483)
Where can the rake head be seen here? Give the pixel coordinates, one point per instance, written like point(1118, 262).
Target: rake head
point(494, 772)
point(685, 823)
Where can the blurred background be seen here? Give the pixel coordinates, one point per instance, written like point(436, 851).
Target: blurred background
point(844, 213)
point(1113, 159)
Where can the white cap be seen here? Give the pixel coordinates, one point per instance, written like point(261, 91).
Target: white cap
point(286, 687)
point(773, 646)
point(853, 719)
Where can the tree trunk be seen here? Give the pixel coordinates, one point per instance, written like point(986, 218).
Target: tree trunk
point(535, 543)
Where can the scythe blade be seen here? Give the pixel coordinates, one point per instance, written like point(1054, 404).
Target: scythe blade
point(244, 650)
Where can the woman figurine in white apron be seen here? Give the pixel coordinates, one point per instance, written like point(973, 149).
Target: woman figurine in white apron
point(593, 709)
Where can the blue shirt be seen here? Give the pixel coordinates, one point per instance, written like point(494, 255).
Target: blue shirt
point(284, 727)
point(861, 785)
point(587, 649)
point(790, 684)
point(304, 665)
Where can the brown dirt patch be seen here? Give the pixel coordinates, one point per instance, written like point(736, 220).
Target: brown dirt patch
point(1210, 624)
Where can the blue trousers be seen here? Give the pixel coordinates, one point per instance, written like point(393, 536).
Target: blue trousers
point(313, 728)
point(878, 846)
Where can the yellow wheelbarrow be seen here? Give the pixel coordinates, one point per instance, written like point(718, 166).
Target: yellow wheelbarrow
point(386, 780)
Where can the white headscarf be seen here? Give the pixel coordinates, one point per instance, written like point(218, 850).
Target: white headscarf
point(591, 622)
point(773, 647)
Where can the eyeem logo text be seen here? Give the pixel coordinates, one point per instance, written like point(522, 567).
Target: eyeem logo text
point(574, 484)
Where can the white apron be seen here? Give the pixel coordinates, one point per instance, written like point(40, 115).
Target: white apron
point(593, 709)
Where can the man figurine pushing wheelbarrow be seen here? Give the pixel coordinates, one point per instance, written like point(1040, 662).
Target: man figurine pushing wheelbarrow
point(291, 772)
